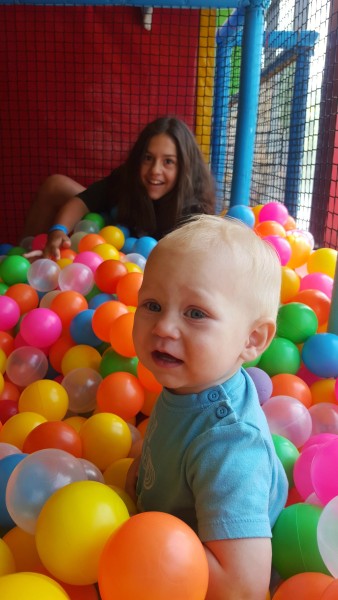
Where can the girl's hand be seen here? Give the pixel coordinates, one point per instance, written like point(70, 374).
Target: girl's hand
point(56, 239)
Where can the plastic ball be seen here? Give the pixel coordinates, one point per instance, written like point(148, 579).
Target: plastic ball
point(265, 228)
point(274, 211)
point(290, 284)
point(302, 471)
point(6, 342)
point(136, 259)
point(262, 383)
point(112, 362)
point(41, 327)
point(287, 454)
point(331, 592)
point(323, 260)
point(106, 251)
point(108, 274)
point(318, 301)
point(147, 379)
point(128, 287)
point(59, 349)
point(67, 304)
point(288, 417)
point(323, 471)
point(327, 535)
point(287, 384)
point(113, 235)
point(9, 313)
point(76, 277)
point(323, 390)
point(304, 586)
point(81, 356)
point(90, 259)
point(320, 354)
point(294, 541)
point(282, 356)
point(144, 246)
point(54, 434)
point(116, 473)
point(95, 218)
point(105, 438)
point(7, 450)
point(71, 533)
point(17, 428)
point(25, 365)
point(81, 329)
point(89, 241)
point(121, 335)
point(324, 417)
point(14, 269)
point(93, 473)
point(26, 297)
point(281, 246)
point(81, 386)
point(43, 275)
point(99, 299)
point(104, 317)
point(46, 470)
point(121, 394)
point(7, 466)
point(296, 322)
point(87, 226)
point(7, 564)
point(31, 586)
point(317, 281)
point(129, 242)
point(172, 564)
point(45, 397)
point(8, 408)
point(300, 250)
point(243, 213)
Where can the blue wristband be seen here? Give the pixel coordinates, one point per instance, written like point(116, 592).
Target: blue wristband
point(59, 227)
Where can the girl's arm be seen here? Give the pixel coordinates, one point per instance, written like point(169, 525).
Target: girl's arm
point(239, 569)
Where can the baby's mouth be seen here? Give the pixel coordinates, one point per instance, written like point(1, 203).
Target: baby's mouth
point(165, 359)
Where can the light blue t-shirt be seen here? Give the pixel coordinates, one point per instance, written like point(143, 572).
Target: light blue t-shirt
point(209, 459)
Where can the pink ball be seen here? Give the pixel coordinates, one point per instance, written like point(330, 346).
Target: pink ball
point(288, 417)
point(9, 313)
point(274, 211)
point(76, 277)
point(88, 258)
point(302, 471)
point(324, 471)
point(319, 439)
point(282, 247)
point(41, 327)
point(317, 281)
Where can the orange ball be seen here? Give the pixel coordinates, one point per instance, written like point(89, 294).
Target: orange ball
point(300, 250)
point(142, 426)
point(147, 379)
point(150, 399)
point(128, 287)
point(59, 349)
point(6, 342)
point(10, 392)
point(54, 434)
point(68, 254)
point(265, 228)
point(303, 586)
point(331, 592)
point(318, 301)
point(120, 393)
point(26, 296)
point(108, 274)
point(323, 390)
point(172, 563)
point(104, 316)
point(67, 304)
point(290, 223)
point(89, 241)
point(121, 335)
point(286, 384)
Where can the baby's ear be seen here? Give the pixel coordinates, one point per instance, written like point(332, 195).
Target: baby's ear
point(260, 337)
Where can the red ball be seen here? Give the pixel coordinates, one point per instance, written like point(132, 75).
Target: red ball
point(54, 434)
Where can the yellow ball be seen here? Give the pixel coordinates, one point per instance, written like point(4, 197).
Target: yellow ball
point(107, 251)
point(116, 472)
point(76, 422)
point(323, 260)
point(45, 397)
point(105, 438)
point(7, 563)
point(2, 383)
point(132, 268)
point(73, 527)
point(23, 548)
point(130, 504)
point(80, 356)
point(16, 429)
point(113, 235)
point(30, 586)
point(290, 284)
point(3, 361)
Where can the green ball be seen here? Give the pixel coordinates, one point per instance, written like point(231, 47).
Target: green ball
point(113, 362)
point(296, 322)
point(16, 250)
point(282, 356)
point(252, 363)
point(14, 269)
point(3, 288)
point(287, 454)
point(96, 218)
point(294, 541)
point(93, 292)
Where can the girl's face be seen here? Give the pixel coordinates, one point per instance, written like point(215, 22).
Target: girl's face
point(159, 167)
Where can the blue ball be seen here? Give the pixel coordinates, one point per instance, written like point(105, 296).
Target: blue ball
point(4, 248)
point(100, 299)
point(144, 246)
point(81, 329)
point(242, 213)
point(128, 245)
point(125, 230)
point(320, 354)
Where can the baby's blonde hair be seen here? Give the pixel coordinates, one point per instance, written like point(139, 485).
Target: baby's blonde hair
point(259, 269)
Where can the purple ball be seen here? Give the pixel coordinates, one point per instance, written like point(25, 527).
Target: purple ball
point(262, 382)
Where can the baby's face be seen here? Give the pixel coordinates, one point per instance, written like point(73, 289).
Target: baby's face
point(191, 326)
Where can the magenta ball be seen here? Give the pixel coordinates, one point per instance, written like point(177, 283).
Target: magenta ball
point(41, 327)
point(274, 211)
point(9, 313)
point(324, 471)
point(282, 247)
point(302, 471)
point(88, 258)
point(317, 281)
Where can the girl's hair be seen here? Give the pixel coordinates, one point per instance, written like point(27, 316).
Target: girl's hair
point(232, 242)
point(194, 190)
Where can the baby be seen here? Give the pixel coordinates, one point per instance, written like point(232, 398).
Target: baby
point(208, 303)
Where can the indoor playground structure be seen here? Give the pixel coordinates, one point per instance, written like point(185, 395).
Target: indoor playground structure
point(256, 82)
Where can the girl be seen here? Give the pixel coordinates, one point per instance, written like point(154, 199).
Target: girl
point(163, 180)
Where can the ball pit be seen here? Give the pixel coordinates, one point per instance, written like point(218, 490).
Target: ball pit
point(92, 359)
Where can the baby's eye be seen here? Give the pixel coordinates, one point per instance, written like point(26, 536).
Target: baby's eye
point(195, 313)
point(152, 306)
